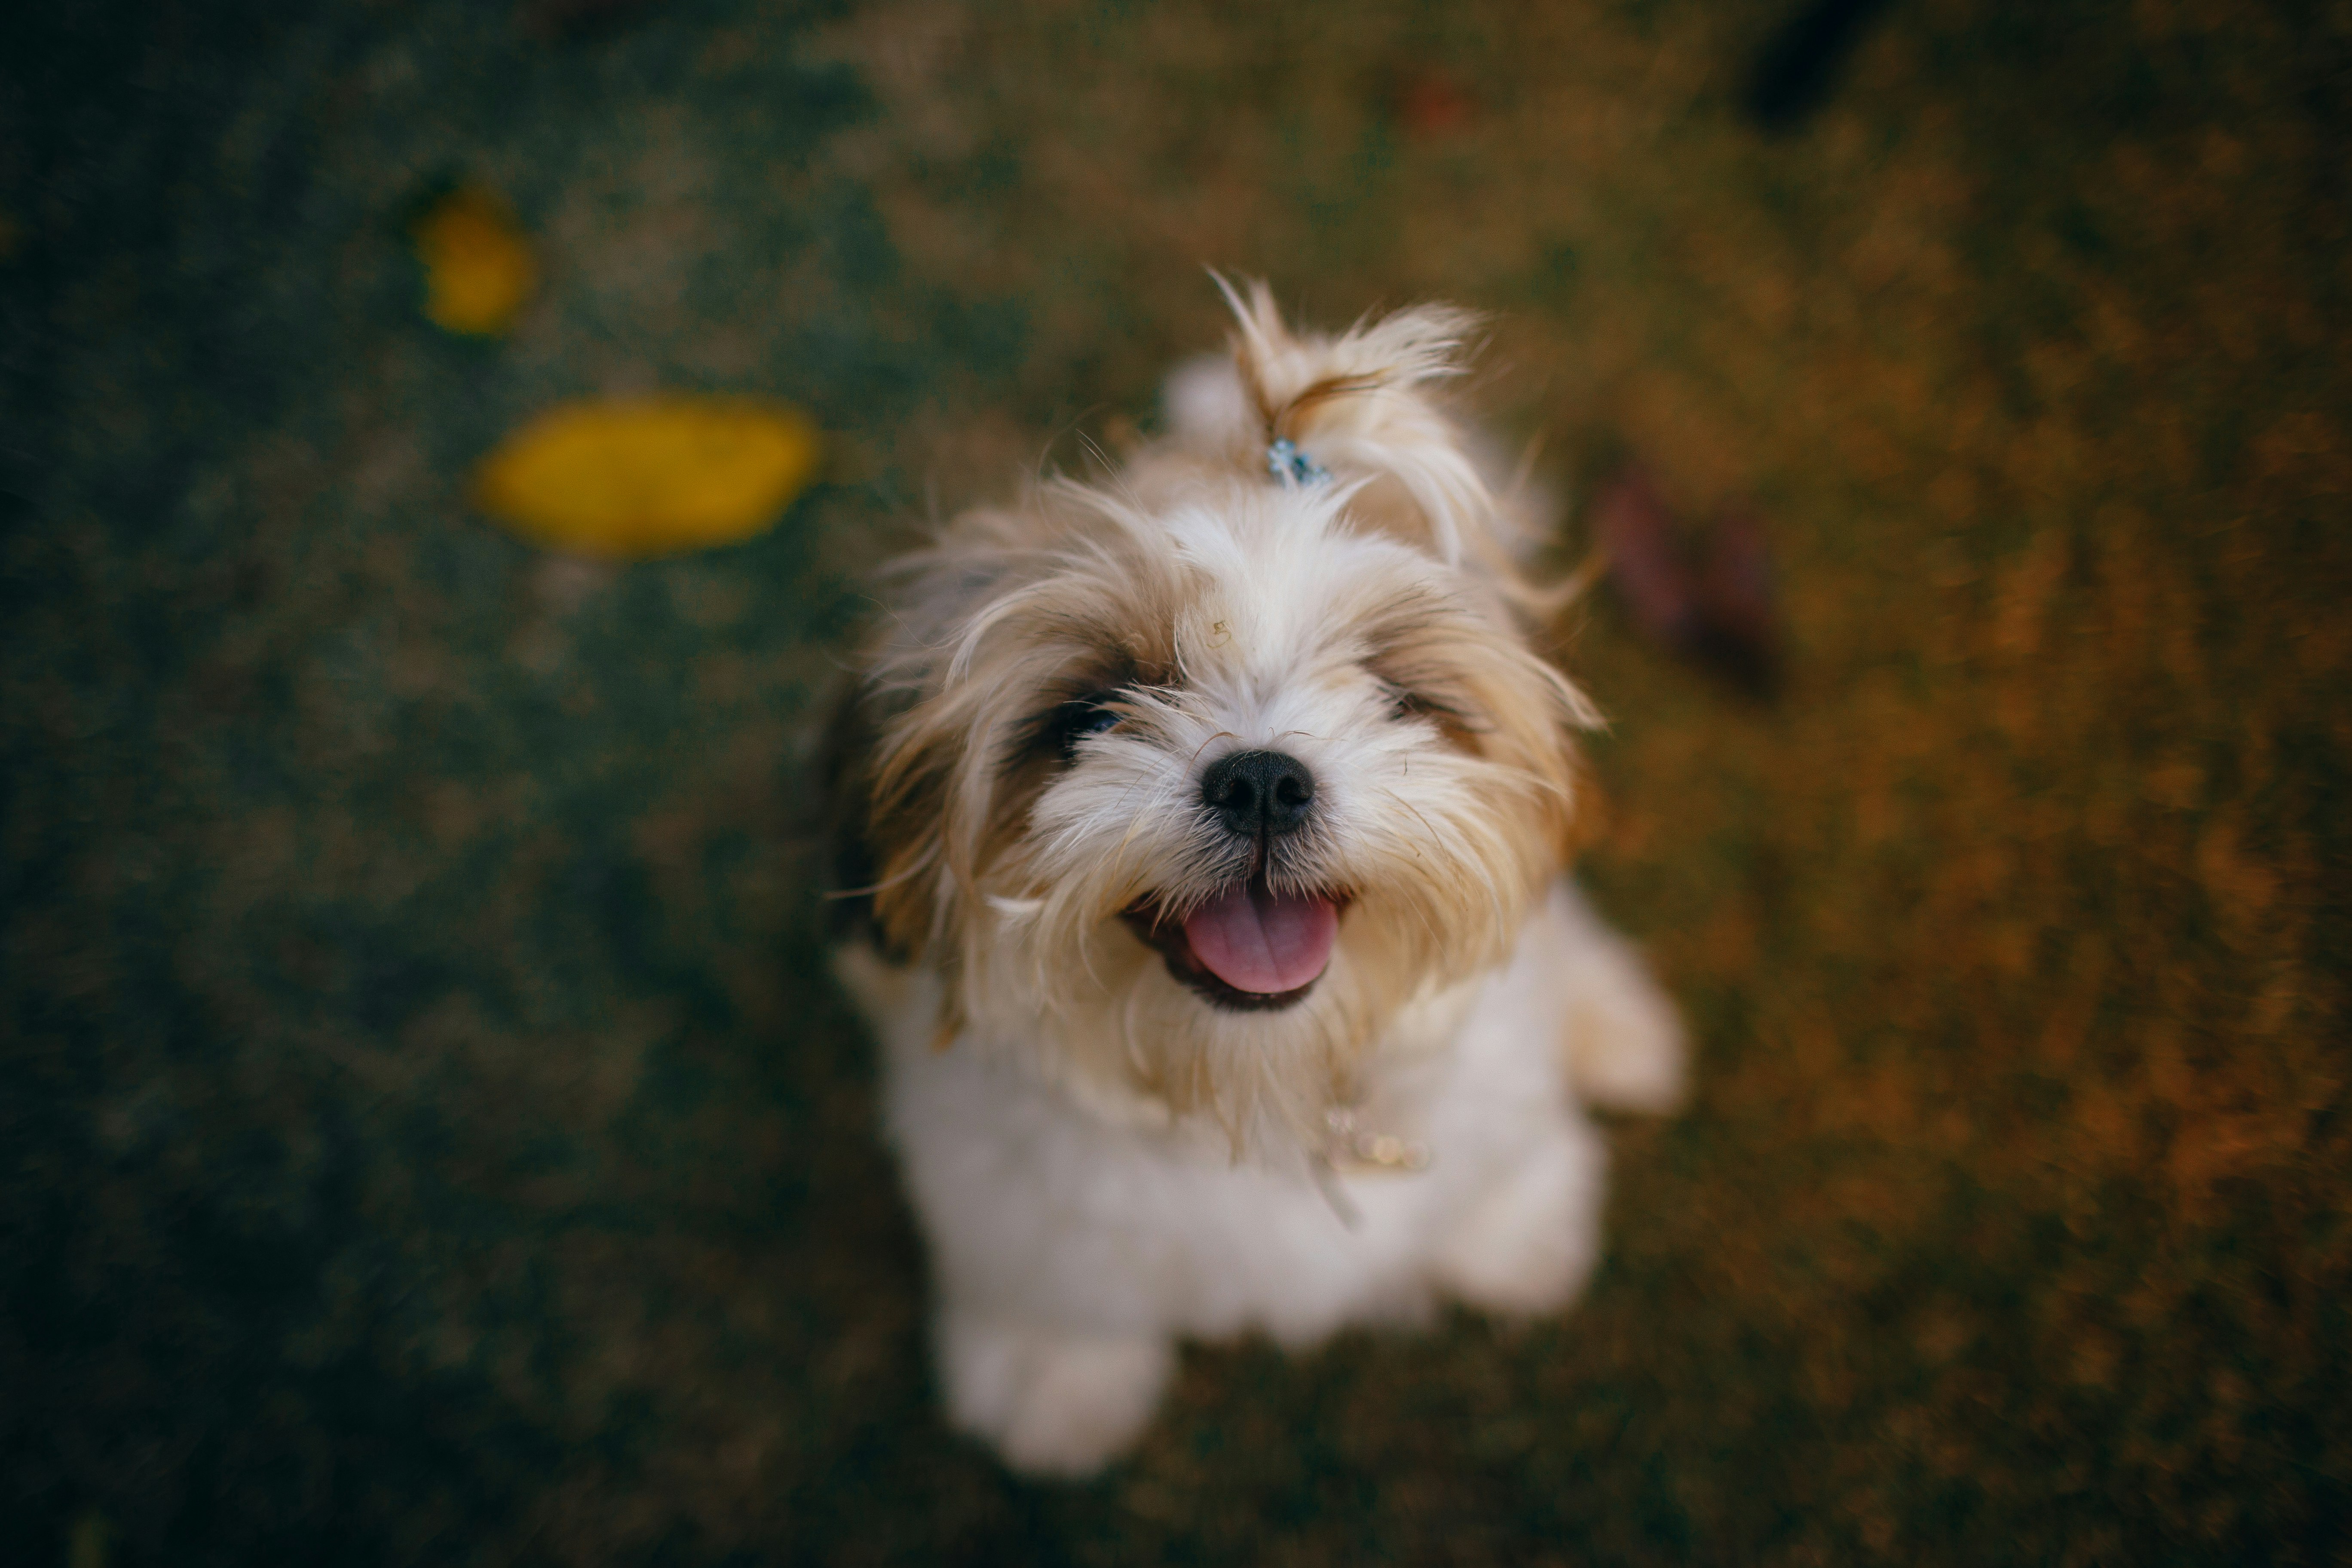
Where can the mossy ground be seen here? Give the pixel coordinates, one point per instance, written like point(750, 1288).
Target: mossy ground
point(427, 1133)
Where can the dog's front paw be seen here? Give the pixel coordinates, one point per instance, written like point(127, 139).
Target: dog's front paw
point(1051, 1404)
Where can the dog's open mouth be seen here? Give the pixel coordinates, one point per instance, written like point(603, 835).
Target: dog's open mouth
point(1250, 948)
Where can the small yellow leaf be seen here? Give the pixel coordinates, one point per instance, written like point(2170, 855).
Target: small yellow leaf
point(479, 268)
point(649, 477)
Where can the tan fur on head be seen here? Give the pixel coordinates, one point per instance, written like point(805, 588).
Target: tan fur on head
point(1365, 625)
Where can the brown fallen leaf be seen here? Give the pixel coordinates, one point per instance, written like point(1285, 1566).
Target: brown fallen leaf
point(1711, 601)
point(1430, 104)
point(632, 479)
point(478, 266)
point(1738, 630)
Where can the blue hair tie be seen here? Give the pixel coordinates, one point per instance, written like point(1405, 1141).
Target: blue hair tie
point(1289, 466)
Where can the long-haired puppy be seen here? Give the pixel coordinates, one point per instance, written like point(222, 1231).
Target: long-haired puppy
point(1211, 820)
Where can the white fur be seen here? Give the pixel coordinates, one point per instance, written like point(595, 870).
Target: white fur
point(1072, 1245)
point(1105, 1162)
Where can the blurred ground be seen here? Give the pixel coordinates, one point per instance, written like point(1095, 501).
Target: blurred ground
point(426, 1133)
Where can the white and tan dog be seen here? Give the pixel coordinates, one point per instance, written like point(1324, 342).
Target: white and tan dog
point(1214, 820)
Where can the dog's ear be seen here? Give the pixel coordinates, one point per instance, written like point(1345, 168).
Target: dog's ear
point(1494, 697)
point(861, 844)
point(1535, 714)
point(903, 785)
point(844, 754)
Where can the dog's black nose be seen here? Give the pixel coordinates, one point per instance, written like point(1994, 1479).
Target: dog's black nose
point(1255, 793)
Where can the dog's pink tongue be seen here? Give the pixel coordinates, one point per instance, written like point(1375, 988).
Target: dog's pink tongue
point(1255, 939)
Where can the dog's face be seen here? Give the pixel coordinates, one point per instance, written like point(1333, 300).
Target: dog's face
point(1189, 783)
point(1205, 795)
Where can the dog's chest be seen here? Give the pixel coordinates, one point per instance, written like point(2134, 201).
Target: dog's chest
point(1021, 1183)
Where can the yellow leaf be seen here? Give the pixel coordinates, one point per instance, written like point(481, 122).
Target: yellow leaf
point(649, 477)
point(479, 268)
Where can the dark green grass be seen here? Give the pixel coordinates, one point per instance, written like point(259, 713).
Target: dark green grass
point(427, 1133)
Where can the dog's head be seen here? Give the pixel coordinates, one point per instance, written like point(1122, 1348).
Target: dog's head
point(1191, 780)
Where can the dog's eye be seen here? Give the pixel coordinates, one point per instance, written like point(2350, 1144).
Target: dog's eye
point(1075, 720)
point(1404, 702)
